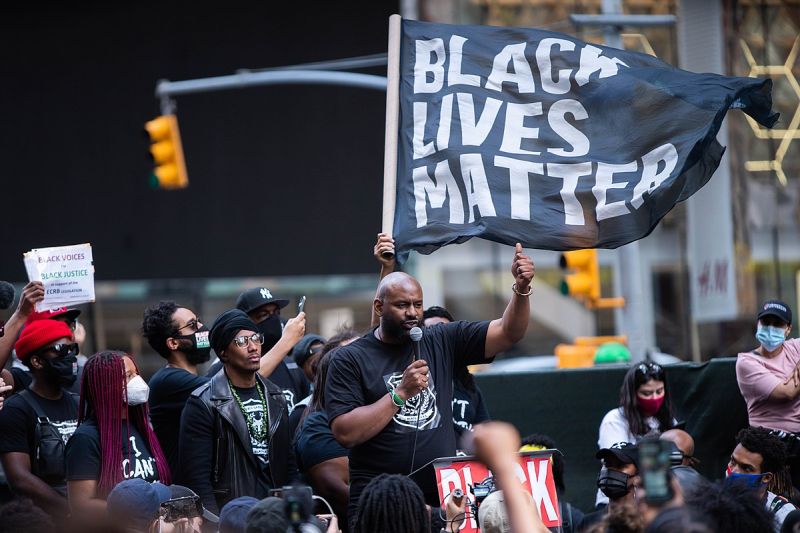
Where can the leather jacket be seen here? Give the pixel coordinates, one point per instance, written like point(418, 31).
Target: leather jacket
point(235, 471)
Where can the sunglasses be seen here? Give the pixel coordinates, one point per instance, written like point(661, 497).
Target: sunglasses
point(193, 323)
point(241, 340)
point(650, 369)
point(61, 350)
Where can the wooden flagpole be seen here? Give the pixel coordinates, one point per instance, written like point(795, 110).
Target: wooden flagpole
point(392, 120)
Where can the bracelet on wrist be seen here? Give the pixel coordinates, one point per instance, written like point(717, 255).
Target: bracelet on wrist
point(396, 399)
point(516, 290)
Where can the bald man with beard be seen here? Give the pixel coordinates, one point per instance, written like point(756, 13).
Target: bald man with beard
point(395, 412)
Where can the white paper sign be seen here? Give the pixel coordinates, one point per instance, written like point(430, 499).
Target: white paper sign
point(67, 273)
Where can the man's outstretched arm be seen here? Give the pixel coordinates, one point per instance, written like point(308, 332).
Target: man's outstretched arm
point(31, 295)
point(504, 332)
point(384, 245)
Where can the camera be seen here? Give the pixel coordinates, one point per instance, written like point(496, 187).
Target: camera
point(480, 491)
point(298, 508)
point(483, 489)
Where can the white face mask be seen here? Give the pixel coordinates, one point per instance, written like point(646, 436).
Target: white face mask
point(138, 391)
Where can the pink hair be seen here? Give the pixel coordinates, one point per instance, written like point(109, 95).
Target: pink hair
point(103, 380)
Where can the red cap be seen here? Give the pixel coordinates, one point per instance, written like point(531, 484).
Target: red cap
point(72, 314)
point(39, 334)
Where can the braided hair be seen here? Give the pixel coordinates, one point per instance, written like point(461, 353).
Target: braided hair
point(103, 397)
point(392, 503)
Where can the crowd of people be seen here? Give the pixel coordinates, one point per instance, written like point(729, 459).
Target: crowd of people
point(286, 430)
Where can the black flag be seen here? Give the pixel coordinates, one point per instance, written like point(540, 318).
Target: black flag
point(530, 136)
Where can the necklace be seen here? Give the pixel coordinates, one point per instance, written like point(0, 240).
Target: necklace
point(260, 436)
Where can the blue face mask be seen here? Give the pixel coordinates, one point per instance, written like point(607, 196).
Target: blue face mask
point(770, 337)
point(748, 480)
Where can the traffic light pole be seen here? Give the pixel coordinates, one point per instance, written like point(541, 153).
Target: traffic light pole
point(637, 318)
point(166, 90)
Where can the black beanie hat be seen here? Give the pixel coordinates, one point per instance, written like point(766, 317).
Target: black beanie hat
point(227, 326)
point(302, 350)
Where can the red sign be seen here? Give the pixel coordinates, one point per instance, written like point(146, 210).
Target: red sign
point(535, 473)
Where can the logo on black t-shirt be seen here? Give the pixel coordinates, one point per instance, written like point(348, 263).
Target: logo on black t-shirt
point(143, 466)
point(423, 405)
point(288, 394)
point(65, 428)
point(260, 447)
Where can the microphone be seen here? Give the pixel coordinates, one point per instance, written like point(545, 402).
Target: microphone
point(7, 295)
point(416, 336)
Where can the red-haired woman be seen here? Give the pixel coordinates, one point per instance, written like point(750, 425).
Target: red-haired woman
point(114, 439)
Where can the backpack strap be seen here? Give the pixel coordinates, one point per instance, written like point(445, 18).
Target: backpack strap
point(31, 400)
point(777, 503)
point(42, 418)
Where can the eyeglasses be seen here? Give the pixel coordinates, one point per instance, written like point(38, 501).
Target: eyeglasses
point(241, 340)
point(650, 369)
point(61, 350)
point(193, 323)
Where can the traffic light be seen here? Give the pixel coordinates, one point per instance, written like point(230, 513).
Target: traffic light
point(584, 283)
point(169, 170)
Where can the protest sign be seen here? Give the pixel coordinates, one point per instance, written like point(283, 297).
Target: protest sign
point(534, 471)
point(67, 273)
point(524, 135)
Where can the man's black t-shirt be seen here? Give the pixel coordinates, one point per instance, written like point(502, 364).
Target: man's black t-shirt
point(22, 378)
point(469, 408)
point(169, 390)
point(84, 457)
point(251, 401)
point(297, 415)
point(18, 424)
point(315, 443)
point(287, 375)
point(291, 379)
point(365, 370)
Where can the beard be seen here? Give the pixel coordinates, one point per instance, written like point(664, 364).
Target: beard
point(394, 329)
point(194, 356)
point(198, 357)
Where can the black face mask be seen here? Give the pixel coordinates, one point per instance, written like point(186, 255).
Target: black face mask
point(199, 349)
point(62, 370)
point(272, 330)
point(613, 483)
